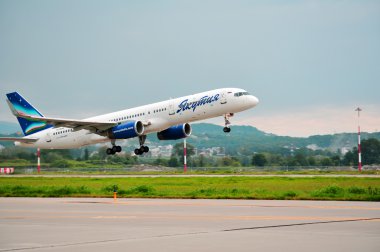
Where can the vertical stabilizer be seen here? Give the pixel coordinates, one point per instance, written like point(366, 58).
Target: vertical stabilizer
point(20, 106)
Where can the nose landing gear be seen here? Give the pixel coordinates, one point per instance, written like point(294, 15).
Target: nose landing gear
point(227, 129)
point(227, 122)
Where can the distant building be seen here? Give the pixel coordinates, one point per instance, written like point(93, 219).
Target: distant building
point(344, 150)
point(163, 151)
point(313, 147)
point(209, 152)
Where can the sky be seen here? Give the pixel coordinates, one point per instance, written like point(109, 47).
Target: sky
point(311, 63)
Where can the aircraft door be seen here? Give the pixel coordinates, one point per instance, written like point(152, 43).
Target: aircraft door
point(48, 138)
point(171, 108)
point(223, 99)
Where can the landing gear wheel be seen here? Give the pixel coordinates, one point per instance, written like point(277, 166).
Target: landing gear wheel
point(146, 149)
point(142, 149)
point(116, 149)
point(110, 151)
point(227, 129)
point(138, 152)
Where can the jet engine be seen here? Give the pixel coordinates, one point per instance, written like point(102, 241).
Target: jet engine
point(126, 130)
point(175, 132)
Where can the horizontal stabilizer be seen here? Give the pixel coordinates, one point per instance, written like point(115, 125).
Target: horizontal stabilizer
point(71, 123)
point(19, 139)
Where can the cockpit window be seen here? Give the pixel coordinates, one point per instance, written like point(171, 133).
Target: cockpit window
point(241, 94)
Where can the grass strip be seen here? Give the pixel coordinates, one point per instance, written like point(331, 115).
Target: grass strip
point(313, 188)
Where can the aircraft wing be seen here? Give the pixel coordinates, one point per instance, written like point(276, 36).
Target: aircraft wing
point(19, 139)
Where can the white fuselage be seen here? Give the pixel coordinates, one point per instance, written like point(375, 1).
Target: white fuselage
point(156, 117)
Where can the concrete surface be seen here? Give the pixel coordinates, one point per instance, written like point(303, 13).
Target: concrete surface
point(68, 224)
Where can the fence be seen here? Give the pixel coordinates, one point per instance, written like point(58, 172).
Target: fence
point(149, 169)
point(7, 170)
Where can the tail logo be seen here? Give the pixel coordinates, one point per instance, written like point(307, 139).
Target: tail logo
point(21, 107)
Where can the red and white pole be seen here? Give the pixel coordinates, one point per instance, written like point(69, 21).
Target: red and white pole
point(359, 146)
point(184, 156)
point(38, 160)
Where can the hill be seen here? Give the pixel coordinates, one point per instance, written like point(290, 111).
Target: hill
point(246, 139)
point(7, 128)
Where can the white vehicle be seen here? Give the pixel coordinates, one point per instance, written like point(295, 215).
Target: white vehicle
point(169, 119)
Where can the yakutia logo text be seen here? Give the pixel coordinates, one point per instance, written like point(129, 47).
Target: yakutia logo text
point(186, 105)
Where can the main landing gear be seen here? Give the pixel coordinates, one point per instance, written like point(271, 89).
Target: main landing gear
point(143, 149)
point(227, 122)
point(139, 151)
point(114, 149)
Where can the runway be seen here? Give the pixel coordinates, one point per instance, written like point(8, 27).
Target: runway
point(77, 224)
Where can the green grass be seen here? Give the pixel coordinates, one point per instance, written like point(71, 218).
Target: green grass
point(221, 171)
point(314, 188)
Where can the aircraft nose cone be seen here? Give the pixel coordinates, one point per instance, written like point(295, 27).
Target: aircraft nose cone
point(253, 100)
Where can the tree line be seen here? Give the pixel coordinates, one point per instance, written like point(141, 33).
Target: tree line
point(300, 157)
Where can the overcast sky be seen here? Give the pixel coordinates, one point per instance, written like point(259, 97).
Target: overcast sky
point(311, 63)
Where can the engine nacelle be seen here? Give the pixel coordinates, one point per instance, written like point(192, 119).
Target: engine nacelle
point(126, 130)
point(175, 132)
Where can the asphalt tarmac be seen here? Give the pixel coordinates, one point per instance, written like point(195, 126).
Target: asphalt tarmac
point(78, 224)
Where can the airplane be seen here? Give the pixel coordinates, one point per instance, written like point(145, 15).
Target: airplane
point(168, 119)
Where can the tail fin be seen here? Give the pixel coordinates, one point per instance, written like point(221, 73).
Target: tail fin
point(20, 106)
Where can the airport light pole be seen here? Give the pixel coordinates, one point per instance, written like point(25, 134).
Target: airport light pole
point(38, 160)
point(184, 156)
point(359, 146)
